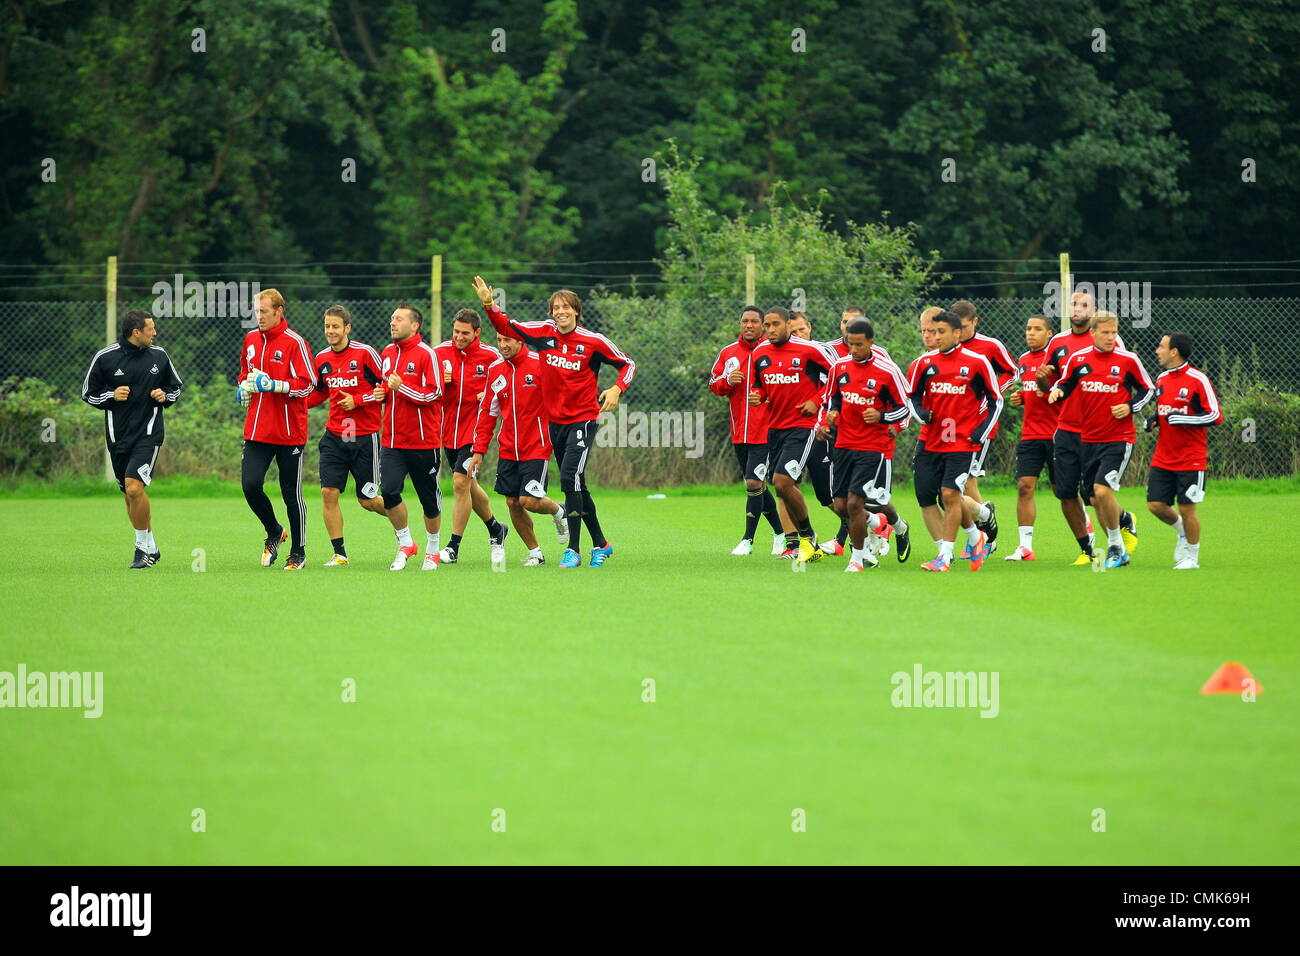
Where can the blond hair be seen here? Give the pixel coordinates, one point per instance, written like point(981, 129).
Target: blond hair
point(273, 296)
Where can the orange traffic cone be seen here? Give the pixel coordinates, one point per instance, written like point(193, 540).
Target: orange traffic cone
point(1231, 678)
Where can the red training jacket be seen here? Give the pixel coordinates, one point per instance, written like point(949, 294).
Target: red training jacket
point(283, 354)
point(352, 370)
point(748, 422)
point(410, 418)
point(514, 394)
point(1187, 406)
point(459, 404)
point(790, 374)
point(571, 364)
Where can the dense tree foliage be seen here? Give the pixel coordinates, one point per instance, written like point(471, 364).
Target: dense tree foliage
point(509, 134)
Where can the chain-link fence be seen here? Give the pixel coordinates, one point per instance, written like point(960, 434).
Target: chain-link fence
point(670, 429)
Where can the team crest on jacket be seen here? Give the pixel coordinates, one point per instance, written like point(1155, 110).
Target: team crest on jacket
point(528, 380)
point(1182, 393)
point(480, 370)
point(580, 349)
point(410, 366)
point(964, 372)
point(279, 356)
point(352, 366)
point(871, 383)
point(794, 362)
point(154, 370)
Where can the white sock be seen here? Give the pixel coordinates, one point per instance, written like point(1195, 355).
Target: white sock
point(859, 555)
point(403, 536)
point(945, 550)
point(1195, 551)
point(559, 509)
point(982, 513)
point(1027, 537)
point(142, 540)
point(534, 552)
point(435, 539)
point(1178, 526)
point(972, 535)
point(153, 548)
point(1113, 539)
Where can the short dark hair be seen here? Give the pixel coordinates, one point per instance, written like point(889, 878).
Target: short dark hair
point(468, 316)
point(779, 310)
point(1041, 318)
point(751, 308)
point(1183, 342)
point(419, 316)
point(948, 317)
point(860, 327)
point(133, 320)
point(855, 310)
point(963, 309)
point(341, 312)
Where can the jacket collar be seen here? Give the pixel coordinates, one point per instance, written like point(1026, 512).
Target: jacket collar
point(278, 329)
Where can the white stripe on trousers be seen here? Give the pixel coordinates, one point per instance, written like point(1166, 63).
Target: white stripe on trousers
point(302, 504)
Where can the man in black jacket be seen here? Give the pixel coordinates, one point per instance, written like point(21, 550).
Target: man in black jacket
point(132, 381)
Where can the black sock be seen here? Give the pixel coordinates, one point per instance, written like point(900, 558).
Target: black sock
point(806, 529)
point(753, 511)
point(792, 539)
point(573, 514)
point(591, 521)
point(769, 511)
point(1126, 521)
point(455, 543)
point(338, 546)
point(492, 526)
point(843, 534)
point(1084, 546)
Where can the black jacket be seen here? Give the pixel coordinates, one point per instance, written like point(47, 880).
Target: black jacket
point(139, 419)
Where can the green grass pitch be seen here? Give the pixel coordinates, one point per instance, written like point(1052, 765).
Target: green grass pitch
point(524, 692)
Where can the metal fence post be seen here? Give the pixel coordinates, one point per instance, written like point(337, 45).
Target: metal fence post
point(749, 279)
point(110, 336)
point(435, 300)
point(1065, 291)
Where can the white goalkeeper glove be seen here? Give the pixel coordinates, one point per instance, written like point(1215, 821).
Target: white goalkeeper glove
point(263, 382)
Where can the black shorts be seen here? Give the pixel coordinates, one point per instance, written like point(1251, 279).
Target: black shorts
point(135, 462)
point(1104, 462)
point(1165, 485)
point(422, 465)
point(517, 479)
point(867, 474)
point(788, 451)
point(1067, 462)
point(1032, 455)
point(458, 458)
point(752, 459)
point(821, 471)
point(933, 471)
point(572, 444)
point(360, 458)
